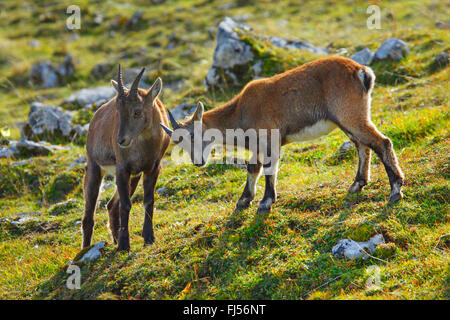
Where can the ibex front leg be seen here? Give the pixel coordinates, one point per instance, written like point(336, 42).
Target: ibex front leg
point(270, 193)
point(92, 180)
point(253, 173)
point(363, 173)
point(123, 187)
point(149, 199)
point(113, 208)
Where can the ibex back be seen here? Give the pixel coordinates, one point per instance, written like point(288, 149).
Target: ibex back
point(125, 138)
point(301, 104)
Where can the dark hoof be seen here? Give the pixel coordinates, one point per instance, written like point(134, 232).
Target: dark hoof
point(124, 244)
point(264, 206)
point(356, 187)
point(149, 241)
point(395, 197)
point(242, 205)
point(263, 210)
point(123, 248)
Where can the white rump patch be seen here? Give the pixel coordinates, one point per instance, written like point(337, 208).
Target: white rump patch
point(317, 130)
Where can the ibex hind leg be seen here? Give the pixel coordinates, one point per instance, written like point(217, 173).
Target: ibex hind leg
point(113, 209)
point(253, 173)
point(91, 183)
point(363, 173)
point(366, 132)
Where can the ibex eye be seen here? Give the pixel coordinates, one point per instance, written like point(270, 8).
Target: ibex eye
point(137, 113)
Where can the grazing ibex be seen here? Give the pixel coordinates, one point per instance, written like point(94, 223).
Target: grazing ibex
point(125, 138)
point(301, 104)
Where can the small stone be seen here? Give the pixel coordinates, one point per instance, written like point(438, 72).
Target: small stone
point(77, 162)
point(363, 57)
point(441, 60)
point(162, 191)
point(44, 74)
point(90, 96)
point(93, 253)
point(34, 43)
point(344, 150)
point(443, 24)
point(350, 249)
point(6, 152)
point(67, 68)
point(393, 49)
point(44, 119)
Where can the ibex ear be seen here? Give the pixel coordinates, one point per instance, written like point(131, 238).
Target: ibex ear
point(198, 114)
point(115, 85)
point(155, 90)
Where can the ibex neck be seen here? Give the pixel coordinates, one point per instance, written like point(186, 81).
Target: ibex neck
point(223, 117)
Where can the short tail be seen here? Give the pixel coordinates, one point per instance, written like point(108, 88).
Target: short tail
point(367, 77)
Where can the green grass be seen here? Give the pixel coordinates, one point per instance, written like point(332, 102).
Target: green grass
point(203, 249)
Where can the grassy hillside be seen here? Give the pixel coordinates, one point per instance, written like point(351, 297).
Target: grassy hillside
point(203, 249)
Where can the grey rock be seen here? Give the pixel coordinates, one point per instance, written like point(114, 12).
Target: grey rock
point(441, 60)
point(21, 163)
point(393, 49)
point(27, 214)
point(66, 68)
point(181, 111)
point(67, 204)
point(34, 43)
point(106, 186)
point(233, 56)
point(87, 97)
point(81, 130)
point(27, 148)
point(101, 70)
point(44, 119)
point(94, 252)
point(44, 74)
point(230, 50)
point(344, 149)
point(299, 45)
point(76, 163)
point(98, 19)
point(443, 24)
point(20, 221)
point(364, 57)
point(47, 75)
point(6, 152)
point(162, 191)
point(350, 249)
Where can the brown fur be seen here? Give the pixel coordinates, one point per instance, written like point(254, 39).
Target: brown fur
point(333, 89)
point(143, 155)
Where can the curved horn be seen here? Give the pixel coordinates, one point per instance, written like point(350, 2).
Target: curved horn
point(174, 122)
point(135, 85)
point(120, 82)
point(167, 130)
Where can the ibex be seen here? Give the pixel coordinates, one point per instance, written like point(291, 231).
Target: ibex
point(125, 138)
point(301, 104)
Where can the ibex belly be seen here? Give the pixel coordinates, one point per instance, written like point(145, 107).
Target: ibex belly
point(320, 128)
